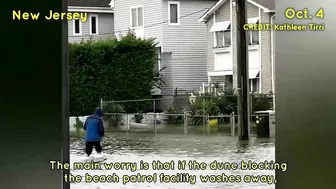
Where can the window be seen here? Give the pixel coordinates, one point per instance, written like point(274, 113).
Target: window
point(77, 27)
point(252, 37)
point(174, 13)
point(137, 18)
point(93, 24)
point(254, 85)
point(223, 38)
point(228, 83)
point(157, 66)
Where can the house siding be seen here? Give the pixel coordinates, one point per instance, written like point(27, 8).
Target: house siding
point(187, 44)
point(152, 16)
point(210, 45)
point(223, 14)
point(273, 54)
point(252, 11)
point(166, 60)
point(105, 28)
point(266, 76)
point(234, 46)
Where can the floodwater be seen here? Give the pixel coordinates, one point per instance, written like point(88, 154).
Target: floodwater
point(175, 144)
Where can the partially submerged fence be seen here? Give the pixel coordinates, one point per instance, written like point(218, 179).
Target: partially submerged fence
point(206, 112)
point(199, 105)
point(163, 122)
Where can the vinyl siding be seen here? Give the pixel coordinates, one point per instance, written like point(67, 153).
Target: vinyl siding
point(266, 85)
point(152, 15)
point(273, 54)
point(210, 44)
point(223, 14)
point(252, 11)
point(187, 43)
point(105, 28)
point(166, 60)
point(234, 46)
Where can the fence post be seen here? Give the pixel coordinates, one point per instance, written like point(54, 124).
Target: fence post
point(207, 123)
point(251, 108)
point(101, 103)
point(233, 123)
point(203, 112)
point(185, 119)
point(127, 122)
point(185, 125)
point(155, 123)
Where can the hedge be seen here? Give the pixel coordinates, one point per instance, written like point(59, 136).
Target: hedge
point(111, 69)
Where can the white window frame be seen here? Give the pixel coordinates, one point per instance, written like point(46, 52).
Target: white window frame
point(74, 28)
point(137, 14)
point(215, 42)
point(97, 31)
point(252, 88)
point(250, 33)
point(178, 13)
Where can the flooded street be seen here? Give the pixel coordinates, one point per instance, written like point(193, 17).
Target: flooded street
point(174, 144)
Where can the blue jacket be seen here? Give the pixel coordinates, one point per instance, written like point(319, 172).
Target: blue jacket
point(94, 126)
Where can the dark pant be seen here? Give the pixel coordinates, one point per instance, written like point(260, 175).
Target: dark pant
point(90, 145)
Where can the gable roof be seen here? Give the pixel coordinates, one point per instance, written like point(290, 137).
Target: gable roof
point(89, 3)
point(266, 5)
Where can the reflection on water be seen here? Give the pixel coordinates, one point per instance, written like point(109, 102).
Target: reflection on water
point(175, 145)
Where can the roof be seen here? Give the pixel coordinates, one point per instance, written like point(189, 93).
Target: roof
point(266, 5)
point(89, 3)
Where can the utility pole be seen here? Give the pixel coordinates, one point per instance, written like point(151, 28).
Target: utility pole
point(242, 72)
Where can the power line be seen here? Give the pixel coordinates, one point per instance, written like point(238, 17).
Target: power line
point(151, 25)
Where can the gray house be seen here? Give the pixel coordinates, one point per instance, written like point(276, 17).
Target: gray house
point(100, 20)
point(180, 37)
point(220, 21)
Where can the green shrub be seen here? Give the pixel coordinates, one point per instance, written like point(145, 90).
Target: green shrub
point(261, 102)
point(174, 119)
point(111, 69)
point(227, 103)
point(209, 106)
point(138, 117)
point(79, 124)
point(113, 113)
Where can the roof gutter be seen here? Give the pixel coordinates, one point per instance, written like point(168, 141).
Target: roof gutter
point(90, 9)
point(220, 2)
point(210, 12)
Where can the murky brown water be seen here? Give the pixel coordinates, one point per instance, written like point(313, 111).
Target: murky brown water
point(173, 144)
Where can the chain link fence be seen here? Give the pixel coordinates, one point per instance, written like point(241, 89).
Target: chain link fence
point(209, 114)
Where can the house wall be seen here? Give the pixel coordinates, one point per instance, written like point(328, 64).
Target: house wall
point(273, 54)
point(252, 11)
point(187, 44)
point(167, 73)
point(223, 14)
point(152, 15)
point(266, 61)
point(209, 45)
point(105, 28)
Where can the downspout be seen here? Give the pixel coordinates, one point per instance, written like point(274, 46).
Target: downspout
point(272, 61)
